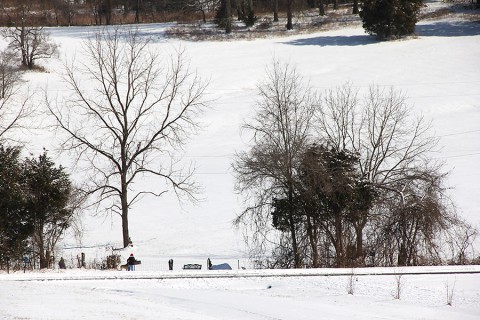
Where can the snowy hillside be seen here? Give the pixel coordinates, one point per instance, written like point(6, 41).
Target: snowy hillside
point(438, 70)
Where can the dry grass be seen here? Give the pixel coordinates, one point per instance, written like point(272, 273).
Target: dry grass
point(306, 21)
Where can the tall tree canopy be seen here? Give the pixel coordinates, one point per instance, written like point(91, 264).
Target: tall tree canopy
point(143, 109)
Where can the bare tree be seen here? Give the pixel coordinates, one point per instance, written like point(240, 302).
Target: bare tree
point(460, 239)
point(32, 43)
point(135, 120)
point(418, 212)
point(391, 141)
point(281, 131)
point(15, 105)
point(450, 291)
point(398, 286)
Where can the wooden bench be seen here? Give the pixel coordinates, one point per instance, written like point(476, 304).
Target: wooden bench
point(193, 266)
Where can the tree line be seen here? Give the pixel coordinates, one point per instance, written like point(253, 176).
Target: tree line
point(384, 19)
point(342, 180)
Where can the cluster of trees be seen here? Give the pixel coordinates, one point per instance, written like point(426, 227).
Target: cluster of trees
point(385, 19)
point(37, 205)
point(148, 106)
point(101, 12)
point(341, 180)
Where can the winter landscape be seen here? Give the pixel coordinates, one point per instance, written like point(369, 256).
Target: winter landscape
point(437, 70)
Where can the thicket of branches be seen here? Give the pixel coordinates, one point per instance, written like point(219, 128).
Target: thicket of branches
point(344, 180)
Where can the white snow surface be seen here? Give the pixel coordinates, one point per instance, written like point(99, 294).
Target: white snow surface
point(244, 294)
point(439, 71)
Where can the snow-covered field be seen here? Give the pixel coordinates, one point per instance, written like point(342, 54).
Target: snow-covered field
point(439, 71)
point(244, 295)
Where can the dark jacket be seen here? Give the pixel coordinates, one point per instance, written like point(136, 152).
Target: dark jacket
point(131, 260)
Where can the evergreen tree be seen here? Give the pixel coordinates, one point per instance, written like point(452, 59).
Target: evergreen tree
point(15, 223)
point(333, 192)
point(49, 191)
point(390, 18)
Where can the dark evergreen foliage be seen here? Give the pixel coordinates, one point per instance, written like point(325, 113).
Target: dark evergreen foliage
point(330, 194)
point(49, 190)
point(282, 208)
point(34, 205)
point(16, 223)
point(389, 19)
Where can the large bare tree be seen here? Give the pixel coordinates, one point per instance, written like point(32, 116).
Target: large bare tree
point(392, 142)
point(136, 112)
point(281, 131)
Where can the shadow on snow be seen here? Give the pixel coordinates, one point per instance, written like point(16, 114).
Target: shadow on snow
point(436, 29)
point(449, 29)
point(327, 41)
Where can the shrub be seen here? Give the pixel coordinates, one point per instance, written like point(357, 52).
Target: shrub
point(390, 19)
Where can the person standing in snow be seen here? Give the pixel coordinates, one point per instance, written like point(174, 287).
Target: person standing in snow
point(61, 264)
point(131, 263)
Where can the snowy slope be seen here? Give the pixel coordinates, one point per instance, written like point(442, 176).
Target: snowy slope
point(438, 71)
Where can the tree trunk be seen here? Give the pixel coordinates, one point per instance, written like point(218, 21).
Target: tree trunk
point(137, 12)
point(124, 201)
point(321, 8)
point(296, 254)
point(313, 243)
point(293, 232)
point(41, 250)
point(228, 14)
point(355, 7)
point(359, 256)
point(359, 225)
point(275, 10)
point(289, 15)
point(402, 255)
point(339, 241)
point(402, 252)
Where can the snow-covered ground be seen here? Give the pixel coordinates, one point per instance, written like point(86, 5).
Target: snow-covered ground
point(438, 70)
point(244, 295)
